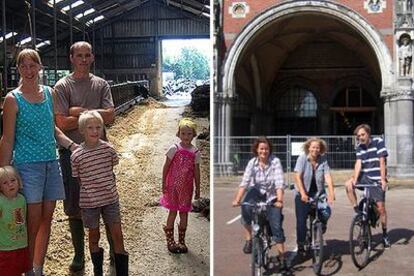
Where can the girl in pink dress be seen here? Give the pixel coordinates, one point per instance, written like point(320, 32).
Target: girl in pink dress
point(180, 172)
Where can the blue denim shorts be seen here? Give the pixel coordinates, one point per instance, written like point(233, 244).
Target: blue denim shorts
point(42, 181)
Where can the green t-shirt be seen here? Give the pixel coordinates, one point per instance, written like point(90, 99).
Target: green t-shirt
point(13, 231)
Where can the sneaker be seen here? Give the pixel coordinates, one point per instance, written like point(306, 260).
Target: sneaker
point(386, 241)
point(247, 249)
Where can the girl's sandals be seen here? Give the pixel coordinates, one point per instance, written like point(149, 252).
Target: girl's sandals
point(171, 244)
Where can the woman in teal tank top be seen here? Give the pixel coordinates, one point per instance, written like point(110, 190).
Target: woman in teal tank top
point(29, 143)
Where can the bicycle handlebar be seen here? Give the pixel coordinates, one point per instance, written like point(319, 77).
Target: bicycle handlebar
point(260, 204)
point(366, 185)
point(317, 197)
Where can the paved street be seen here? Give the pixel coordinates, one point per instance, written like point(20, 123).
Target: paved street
point(228, 239)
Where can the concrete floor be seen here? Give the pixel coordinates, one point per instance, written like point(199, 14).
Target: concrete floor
point(398, 260)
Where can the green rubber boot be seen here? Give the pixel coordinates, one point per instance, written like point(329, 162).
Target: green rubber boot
point(121, 264)
point(78, 236)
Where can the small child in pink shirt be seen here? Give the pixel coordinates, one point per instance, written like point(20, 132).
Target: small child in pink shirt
point(180, 172)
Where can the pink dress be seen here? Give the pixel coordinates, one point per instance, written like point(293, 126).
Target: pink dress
point(180, 181)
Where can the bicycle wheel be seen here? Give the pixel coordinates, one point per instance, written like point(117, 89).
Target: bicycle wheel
point(360, 241)
point(257, 256)
point(317, 248)
point(308, 238)
point(267, 243)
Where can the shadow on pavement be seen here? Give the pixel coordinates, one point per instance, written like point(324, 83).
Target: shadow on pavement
point(400, 236)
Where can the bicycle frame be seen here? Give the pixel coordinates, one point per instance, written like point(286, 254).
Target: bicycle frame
point(314, 235)
point(360, 244)
point(260, 236)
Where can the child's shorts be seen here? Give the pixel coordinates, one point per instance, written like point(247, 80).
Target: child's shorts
point(14, 262)
point(110, 215)
point(42, 181)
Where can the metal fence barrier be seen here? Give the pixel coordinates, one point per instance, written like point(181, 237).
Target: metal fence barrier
point(340, 152)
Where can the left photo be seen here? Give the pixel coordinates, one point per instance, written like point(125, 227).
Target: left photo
point(105, 137)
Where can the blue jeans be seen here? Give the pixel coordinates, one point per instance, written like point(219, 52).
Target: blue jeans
point(302, 210)
point(42, 181)
point(274, 215)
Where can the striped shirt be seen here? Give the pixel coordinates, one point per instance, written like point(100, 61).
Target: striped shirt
point(370, 159)
point(94, 168)
point(267, 180)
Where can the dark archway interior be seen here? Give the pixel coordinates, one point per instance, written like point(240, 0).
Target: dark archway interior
point(307, 74)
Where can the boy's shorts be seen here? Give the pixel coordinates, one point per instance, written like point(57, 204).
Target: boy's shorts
point(15, 262)
point(42, 181)
point(377, 194)
point(110, 215)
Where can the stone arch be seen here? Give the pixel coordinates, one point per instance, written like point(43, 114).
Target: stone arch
point(293, 8)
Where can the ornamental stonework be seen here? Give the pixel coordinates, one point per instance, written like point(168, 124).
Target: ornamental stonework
point(239, 9)
point(375, 6)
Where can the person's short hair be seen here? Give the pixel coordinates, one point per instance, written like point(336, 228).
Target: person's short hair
point(30, 54)
point(259, 140)
point(89, 115)
point(366, 127)
point(187, 122)
point(322, 145)
point(8, 171)
point(78, 45)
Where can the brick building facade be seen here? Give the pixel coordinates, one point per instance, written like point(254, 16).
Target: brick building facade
point(315, 68)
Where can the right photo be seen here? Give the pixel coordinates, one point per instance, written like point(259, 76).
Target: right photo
point(313, 137)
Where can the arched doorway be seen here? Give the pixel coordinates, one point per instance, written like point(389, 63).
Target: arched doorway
point(322, 53)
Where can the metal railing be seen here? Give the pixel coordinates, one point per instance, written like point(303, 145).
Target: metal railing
point(340, 153)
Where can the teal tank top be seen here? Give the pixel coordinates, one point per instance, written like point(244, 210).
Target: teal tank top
point(35, 129)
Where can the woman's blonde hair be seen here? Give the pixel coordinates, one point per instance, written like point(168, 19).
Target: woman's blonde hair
point(30, 54)
point(89, 115)
point(322, 144)
point(9, 171)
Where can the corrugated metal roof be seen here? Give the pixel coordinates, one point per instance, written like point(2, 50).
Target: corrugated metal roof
point(18, 13)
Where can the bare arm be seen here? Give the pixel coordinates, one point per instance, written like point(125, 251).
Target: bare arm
point(164, 172)
point(197, 181)
point(70, 122)
point(108, 114)
point(66, 123)
point(9, 125)
point(63, 140)
point(357, 170)
point(239, 195)
point(331, 193)
point(383, 172)
point(301, 186)
point(279, 194)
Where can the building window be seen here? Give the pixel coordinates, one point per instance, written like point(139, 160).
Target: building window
point(354, 96)
point(297, 102)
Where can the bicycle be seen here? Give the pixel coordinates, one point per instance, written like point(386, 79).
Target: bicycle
point(314, 233)
point(360, 237)
point(261, 237)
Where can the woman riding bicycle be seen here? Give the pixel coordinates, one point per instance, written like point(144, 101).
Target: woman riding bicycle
point(263, 181)
point(311, 174)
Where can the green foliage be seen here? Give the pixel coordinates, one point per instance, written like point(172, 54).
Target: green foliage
point(190, 64)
